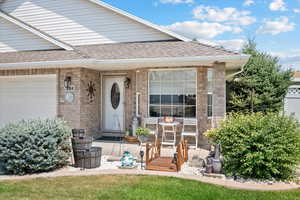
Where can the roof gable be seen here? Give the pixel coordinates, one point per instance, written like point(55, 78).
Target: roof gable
point(34, 31)
point(85, 22)
point(15, 38)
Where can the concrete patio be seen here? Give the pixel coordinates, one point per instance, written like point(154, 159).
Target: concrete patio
point(116, 149)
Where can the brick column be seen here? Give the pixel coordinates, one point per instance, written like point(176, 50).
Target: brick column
point(142, 88)
point(219, 96)
point(70, 111)
point(202, 104)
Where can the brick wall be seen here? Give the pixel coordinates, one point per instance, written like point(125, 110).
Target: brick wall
point(83, 113)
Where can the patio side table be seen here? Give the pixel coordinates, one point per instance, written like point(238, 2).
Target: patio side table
point(169, 128)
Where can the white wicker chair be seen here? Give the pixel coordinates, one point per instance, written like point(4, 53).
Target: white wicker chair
point(191, 123)
point(152, 125)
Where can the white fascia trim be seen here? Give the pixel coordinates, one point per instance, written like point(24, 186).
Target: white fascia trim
point(178, 59)
point(140, 20)
point(47, 64)
point(34, 31)
point(240, 59)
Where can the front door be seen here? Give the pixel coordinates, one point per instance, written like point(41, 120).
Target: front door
point(113, 103)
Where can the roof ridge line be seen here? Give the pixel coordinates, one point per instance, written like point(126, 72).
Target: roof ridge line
point(35, 31)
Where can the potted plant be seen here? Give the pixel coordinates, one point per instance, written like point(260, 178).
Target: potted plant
point(130, 138)
point(142, 134)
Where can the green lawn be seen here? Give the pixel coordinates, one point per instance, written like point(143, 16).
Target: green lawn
point(129, 187)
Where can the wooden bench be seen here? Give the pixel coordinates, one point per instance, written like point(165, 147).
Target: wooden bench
point(169, 164)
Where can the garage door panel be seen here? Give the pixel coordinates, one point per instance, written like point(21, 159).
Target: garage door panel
point(27, 97)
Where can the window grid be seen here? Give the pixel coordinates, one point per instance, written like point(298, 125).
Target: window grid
point(176, 90)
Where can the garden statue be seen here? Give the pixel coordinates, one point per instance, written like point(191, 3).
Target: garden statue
point(216, 161)
point(213, 161)
point(127, 160)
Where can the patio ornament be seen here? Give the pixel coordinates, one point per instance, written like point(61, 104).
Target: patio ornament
point(128, 161)
point(213, 161)
point(216, 161)
point(91, 91)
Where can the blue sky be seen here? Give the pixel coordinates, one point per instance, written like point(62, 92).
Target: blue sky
point(275, 24)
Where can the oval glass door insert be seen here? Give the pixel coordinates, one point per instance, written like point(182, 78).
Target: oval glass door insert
point(115, 96)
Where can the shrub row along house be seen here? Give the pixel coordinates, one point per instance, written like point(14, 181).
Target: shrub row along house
point(98, 67)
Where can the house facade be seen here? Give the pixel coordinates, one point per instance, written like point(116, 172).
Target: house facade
point(292, 100)
point(102, 67)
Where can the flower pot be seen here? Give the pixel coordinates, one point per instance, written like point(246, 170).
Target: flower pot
point(143, 139)
point(131, 139)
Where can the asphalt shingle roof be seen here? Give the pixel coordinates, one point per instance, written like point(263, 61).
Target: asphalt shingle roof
point(166, 49)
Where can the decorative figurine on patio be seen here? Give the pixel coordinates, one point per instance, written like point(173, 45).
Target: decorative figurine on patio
point(213, 161)
point(128, 161)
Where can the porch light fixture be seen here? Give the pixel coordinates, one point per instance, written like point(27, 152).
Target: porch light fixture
point(127, 82)
point(68, 82)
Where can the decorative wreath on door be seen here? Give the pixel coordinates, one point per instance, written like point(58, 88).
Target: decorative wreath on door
point(91, 91)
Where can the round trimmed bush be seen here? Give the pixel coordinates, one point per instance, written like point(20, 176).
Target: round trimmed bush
point(34, 146)
point(260, 146)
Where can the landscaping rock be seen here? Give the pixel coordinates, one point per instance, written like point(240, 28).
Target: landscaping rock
point(212, 175)
point(196, 161)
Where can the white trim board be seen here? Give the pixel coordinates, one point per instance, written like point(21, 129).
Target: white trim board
point(140, 20)
point(34, 31)
point(232, 63)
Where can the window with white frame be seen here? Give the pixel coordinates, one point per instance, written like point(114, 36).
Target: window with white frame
point(172, 93)
point(210, 86)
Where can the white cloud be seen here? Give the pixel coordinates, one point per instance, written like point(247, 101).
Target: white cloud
point(289, 59)
point(277, 5)
point(234, 44)
point(296, 10)
point(248, 2)
point(229, 15)
point(176, 1)
point(195, 29)
point(276, 26)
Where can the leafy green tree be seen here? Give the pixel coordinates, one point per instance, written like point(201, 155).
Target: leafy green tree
point(261, 87)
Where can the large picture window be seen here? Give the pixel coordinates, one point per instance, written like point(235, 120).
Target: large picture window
point(172, 93)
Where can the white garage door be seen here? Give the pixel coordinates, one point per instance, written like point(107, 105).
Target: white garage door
point(292, 101)
point(27, 97)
